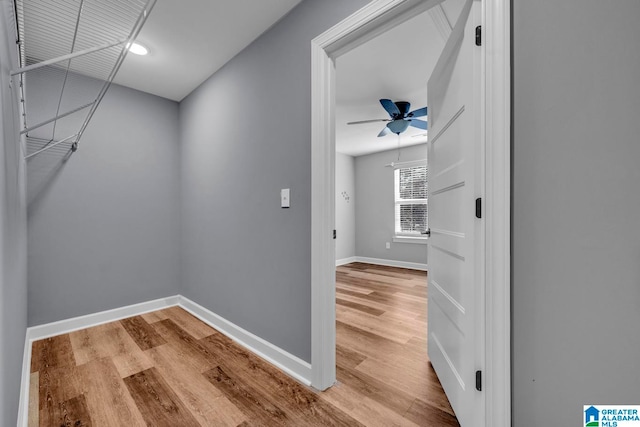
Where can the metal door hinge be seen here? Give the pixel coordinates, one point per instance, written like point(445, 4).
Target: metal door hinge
point(334, 234)
point(479, 380)
point(479, 35)
point(478, 207)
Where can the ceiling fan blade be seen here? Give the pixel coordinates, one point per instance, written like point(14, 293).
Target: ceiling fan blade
point(384, 132)
point(391, 108)
point(417, 123)
point(368, 121)
point(398, 126)
point(420, 112)
point(404, 107)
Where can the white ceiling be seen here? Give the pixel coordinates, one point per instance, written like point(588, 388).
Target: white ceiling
point(395, 65)
point(189, 40)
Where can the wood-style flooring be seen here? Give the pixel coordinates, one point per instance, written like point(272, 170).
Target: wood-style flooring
point(167, 368)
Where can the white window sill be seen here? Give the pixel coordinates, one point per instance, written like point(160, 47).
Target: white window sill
point(419, 240)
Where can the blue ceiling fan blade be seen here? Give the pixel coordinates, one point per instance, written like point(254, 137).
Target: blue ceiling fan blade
point(391, 108)
point(398, 126)
point(404, 107)
point(420, 112)
point(384, 132)
point(416, 123)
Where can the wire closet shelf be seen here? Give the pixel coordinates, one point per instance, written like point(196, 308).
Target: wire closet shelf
point(70, 52)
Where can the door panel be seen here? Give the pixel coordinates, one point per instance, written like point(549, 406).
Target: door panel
point(450, 274)
point(455, 342)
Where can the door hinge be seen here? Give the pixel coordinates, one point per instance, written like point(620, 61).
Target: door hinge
point(334, 234)
point(479, 35)
point(478, 207)
point(479, 380)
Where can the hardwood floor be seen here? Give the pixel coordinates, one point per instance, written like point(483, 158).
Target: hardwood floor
point(382, 363)
point(167, 368)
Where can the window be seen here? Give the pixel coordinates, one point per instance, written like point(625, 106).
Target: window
point(410, 202)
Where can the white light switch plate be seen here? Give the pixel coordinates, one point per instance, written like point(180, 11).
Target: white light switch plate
point(285, 201)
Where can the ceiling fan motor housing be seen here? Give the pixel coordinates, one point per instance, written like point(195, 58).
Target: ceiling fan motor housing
point(403, 106)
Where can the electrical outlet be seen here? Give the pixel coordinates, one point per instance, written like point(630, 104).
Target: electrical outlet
point(388, 245)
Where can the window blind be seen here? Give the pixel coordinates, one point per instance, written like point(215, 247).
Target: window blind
point(410, 200)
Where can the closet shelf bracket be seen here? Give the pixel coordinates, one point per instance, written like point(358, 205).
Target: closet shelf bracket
point(66, 57)
point(59, 116)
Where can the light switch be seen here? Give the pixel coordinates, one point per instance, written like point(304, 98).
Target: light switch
point(285, 201)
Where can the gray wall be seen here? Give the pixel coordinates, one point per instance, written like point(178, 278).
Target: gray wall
point(576, 206)
point(345, 206)
point(13, 278)
point(245, 134)
point(103, 226)
point(375, 223)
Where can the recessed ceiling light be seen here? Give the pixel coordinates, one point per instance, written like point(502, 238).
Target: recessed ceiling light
point(138, 49)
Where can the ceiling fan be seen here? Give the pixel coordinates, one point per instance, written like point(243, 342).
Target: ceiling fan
point(400, 117)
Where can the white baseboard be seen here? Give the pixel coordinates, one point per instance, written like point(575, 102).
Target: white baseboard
point(392, 263)
point(65, 326)
point(287, 362)
point(292, 365)
point(23, 406)
point(344, 261)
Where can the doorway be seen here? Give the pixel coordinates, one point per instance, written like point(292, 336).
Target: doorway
point(384, 223)
point(370, 21)
point(381, 205)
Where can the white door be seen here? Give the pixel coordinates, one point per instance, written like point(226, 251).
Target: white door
point(456, 297)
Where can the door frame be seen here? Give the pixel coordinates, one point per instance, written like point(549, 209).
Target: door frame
point(365, 24)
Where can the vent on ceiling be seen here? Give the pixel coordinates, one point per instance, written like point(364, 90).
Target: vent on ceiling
point(70, 52)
